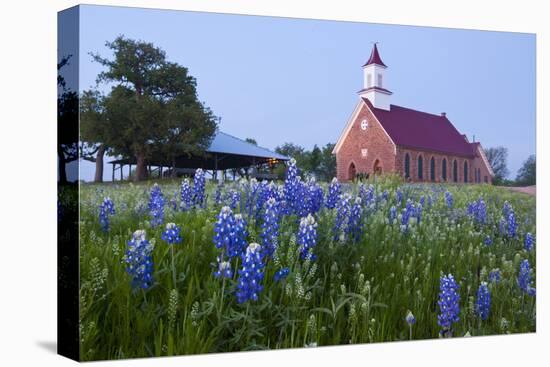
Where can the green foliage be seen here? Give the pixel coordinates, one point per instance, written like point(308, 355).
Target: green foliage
point(152, 108)
point(527, 174)
point(498, 159)
point(352, 293)
point(319, 162)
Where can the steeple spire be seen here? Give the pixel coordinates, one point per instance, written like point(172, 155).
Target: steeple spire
point(375, 57)
point(374, 81)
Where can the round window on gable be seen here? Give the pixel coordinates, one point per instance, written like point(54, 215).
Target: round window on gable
point(364, 125)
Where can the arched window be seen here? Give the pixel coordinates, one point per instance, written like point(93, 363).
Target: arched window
point(420, 168)
point(407, 166)
point(351, 171)
point(432, 169)
point(444, 169)
point(455, 171)
point(465, 171)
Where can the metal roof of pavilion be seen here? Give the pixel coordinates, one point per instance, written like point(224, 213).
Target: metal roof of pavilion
point(228, 144)
point(225, 152)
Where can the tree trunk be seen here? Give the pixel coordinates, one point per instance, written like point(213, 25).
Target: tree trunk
point(141, 168)
point(99, 164)
point(174, 167)
point(61, 165)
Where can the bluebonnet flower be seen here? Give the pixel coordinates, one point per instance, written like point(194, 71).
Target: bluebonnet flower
point(483, 301)
point(270, 227)
point(223, 270)
point(512, 224)
point(225, 233)
point(156, 206)
point(506, 209)
point(494, 276)
point(399, 197)
point(355, 223)
point(106, 209)
point(139, 260)
point(393, 214)
point(342, 214)
point(448, 304)
point(334, 191)
point(291, 187)
point(449, 199)
point(281, 274)
point(487, 240)
point(307, 237)
point(218, 194)
point(408, 212)
point(316, 196)
point(386, 195)
point(186, 198)
point(235, 199)
point(198, 188)
point(241, 234)
point(369, 195)
point(418, 213)
point(477, 210)
point(528, 242)
point(171, 234)
point(410, 319)
point(524, 278)
point(422, 200)
point(251, 275)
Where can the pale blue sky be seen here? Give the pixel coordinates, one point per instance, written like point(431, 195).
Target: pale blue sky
point(294, 80)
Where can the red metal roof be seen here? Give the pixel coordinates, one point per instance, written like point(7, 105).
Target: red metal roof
point(423, 131)
point(375, 57)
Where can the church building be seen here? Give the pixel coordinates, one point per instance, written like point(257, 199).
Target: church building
point(381, 137)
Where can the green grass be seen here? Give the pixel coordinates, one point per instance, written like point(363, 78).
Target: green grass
point(352, 293)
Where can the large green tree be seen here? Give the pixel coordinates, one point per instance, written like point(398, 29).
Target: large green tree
point(498, 159)
point(327, 166)
point(67, 121)
point(152, 108)
point(527, 174)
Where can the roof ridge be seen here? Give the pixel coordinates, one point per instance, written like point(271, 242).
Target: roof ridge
point(412, 109)
point(246, 142)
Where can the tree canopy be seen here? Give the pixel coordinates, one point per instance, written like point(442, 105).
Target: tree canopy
point(152, 106)
point(498, 159)
point(527, 174)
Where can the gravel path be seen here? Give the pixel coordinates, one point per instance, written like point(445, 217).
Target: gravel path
point(530, 190)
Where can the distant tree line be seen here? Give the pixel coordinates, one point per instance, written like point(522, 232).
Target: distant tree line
point(318, 162)
point(498, 159)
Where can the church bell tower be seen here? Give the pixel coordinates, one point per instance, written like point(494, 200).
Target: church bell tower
point(374, 81)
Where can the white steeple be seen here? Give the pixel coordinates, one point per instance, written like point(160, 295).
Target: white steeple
point(374, 81)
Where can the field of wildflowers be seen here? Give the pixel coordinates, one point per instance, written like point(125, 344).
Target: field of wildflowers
point(194, 267)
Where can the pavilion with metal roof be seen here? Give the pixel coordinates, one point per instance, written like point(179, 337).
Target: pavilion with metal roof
point(226, 152)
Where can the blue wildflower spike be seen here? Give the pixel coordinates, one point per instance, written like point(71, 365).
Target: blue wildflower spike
point(334, 191)
point(186, 197)
point(483, 301)
point(449, 308)
point(524, 278)
point(251, 275)
point(171, 234)
point(270, 227)
point(198, 188)
point(139, 260)
point(156, 206)
point(307, 237)
point(106, 209)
